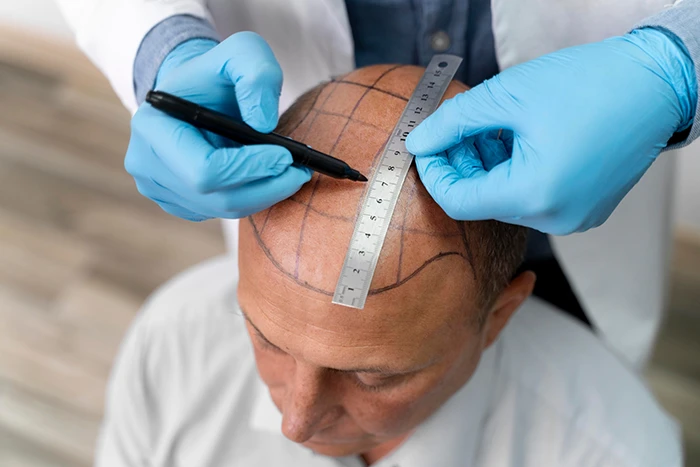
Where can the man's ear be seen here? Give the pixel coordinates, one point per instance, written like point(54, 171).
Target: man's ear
point(510, 300)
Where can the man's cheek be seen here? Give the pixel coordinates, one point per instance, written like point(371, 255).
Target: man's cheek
point(385, 415)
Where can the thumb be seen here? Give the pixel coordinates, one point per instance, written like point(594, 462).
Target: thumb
point(256, 75)
point(484, 107)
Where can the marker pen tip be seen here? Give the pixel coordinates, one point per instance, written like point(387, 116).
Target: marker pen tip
point(355, 176)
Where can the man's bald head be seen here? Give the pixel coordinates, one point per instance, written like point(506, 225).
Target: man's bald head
point(307, 236)
point(353, 381)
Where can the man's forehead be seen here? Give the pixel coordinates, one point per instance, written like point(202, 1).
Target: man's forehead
point(383, 368)
point(408, 325)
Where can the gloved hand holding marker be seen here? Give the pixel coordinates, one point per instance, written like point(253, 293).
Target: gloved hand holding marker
point(586, 123)
point(237, 131)
point(196, 175)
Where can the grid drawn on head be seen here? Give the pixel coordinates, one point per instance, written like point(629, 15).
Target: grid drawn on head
point(408, 230)
point(403, 231)
point(313, 113)
point(335, 82)
point(313, 190)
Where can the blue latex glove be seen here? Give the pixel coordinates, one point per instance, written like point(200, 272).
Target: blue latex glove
point(196, 175)
point(586, 123)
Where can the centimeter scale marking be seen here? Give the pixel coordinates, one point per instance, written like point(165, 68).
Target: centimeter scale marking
point(386, 183)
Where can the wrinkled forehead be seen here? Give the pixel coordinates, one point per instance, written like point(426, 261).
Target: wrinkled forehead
point(409, 324)
point(306, 237)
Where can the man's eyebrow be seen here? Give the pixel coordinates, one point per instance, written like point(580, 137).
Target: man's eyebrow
point(371, 369)
point(260, 334)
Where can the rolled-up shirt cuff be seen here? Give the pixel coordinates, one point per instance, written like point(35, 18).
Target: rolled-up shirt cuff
point(160, 41)
point(683, 20)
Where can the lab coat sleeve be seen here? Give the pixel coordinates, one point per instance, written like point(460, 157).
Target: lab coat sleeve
point(110, 32)
point(682, 19)
point(128, 425)
point(159, 42)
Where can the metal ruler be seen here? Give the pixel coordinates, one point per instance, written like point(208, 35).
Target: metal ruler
point(385, 185)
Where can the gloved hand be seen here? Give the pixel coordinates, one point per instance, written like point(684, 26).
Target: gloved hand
point(197, 175)
point(586, 123)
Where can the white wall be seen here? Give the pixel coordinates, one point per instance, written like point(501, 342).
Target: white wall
point(44, 17)
point(687, 207)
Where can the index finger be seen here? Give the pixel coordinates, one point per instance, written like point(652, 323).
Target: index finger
point(185, 151)
point(480, 196)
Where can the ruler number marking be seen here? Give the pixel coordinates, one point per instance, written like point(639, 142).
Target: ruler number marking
point(385, 186)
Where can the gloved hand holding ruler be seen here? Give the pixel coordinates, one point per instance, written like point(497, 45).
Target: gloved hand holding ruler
point(385, 185)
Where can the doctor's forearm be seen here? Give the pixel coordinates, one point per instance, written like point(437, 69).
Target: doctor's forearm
point(159, 42)
point(683, 20)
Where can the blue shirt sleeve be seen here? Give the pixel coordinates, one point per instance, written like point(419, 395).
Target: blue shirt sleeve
point(159, 42)
point(683, 20)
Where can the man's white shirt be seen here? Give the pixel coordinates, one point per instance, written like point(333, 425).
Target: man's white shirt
point(185, 392)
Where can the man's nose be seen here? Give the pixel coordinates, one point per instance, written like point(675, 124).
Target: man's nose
point(309, 404)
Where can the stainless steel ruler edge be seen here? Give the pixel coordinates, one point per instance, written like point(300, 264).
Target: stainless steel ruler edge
point(385, 185)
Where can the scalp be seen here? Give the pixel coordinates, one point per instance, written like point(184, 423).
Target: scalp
point(351, 118)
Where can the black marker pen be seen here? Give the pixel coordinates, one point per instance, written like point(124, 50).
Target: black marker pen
point(225, 126)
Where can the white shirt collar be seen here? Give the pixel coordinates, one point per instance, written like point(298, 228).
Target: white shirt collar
point(450, 436)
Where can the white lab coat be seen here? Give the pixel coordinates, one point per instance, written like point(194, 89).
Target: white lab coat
point(618, 270)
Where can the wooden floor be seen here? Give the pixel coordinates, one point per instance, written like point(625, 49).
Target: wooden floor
point(80, 249)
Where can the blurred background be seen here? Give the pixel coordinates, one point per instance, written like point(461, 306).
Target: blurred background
point(80, 250)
